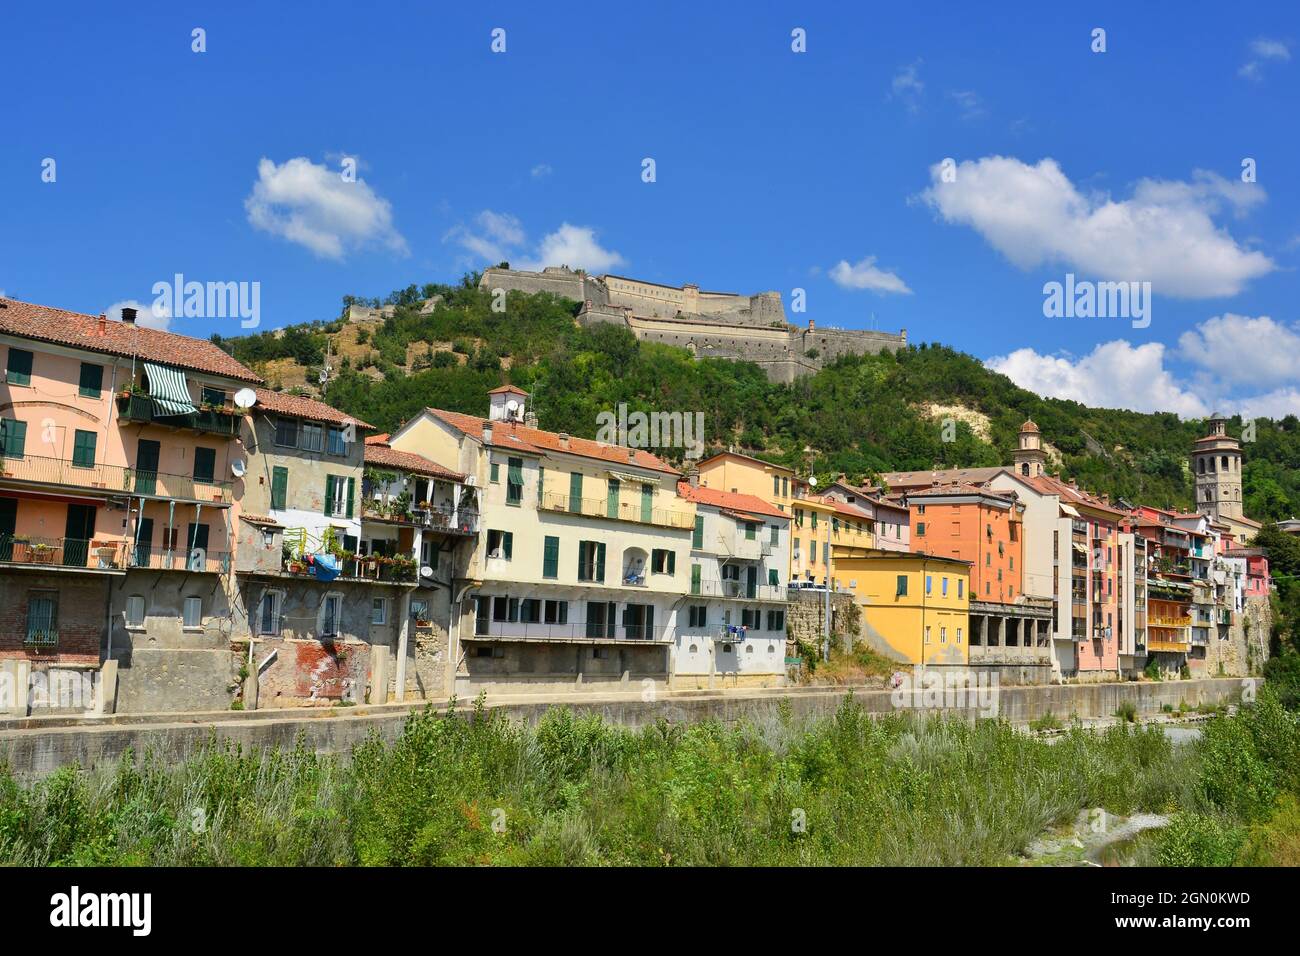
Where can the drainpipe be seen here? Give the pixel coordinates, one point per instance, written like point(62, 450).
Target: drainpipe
point(403, 636)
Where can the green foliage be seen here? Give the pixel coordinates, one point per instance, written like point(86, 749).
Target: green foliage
point(1193, 839)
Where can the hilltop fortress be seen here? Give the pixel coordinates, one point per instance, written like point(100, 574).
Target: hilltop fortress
point(750, 328)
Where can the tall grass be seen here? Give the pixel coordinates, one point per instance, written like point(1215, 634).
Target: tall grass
point(576, 791)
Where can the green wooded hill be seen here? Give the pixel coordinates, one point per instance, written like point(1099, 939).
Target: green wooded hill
point(861, 416)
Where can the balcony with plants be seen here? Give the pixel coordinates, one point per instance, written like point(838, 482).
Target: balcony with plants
point(135, 405)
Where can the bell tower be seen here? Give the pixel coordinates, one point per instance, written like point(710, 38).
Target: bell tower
point(1216, 465)
point(1030, 457)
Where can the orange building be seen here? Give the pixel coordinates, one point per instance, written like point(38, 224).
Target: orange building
point(976, 525)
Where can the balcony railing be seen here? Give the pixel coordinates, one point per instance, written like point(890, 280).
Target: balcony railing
point(141, 408)
point(1154, 621)
point(569, 632)
point(113, 479)
point(445, 520)
point(738, 590)
point(1169, 647)
point(301, 547)
point(74, 553)
point(200, 561)
point(623, 511)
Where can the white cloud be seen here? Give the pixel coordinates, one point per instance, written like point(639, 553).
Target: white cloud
point(908, 87)
point(313, 206)
point(1242, 350)
point(540, 170)
point(972, 107)
point(1163, 234)
point(1261, 51)
point(499, 237)
point(864, 274)
point(149, 316)
point(1275, 404)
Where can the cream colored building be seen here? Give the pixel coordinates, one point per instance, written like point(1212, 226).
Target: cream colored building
point(581, 560)
point(732, 630)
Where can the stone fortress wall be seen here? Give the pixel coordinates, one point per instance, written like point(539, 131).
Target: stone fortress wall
point(750, 328)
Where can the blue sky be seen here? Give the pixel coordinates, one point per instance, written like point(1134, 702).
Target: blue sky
point(774, 169)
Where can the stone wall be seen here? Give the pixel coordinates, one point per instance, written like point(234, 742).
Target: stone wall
point(805, 619)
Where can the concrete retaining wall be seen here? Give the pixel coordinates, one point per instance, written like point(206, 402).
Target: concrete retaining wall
point(38, 747)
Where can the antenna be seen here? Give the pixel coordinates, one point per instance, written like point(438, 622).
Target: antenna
point(245, 398)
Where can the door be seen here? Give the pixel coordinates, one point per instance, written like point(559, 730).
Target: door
point(196, 539)
point(8, 522)
point(146, 466)
point(144, 543)
point(751, 581)
point(77, 534)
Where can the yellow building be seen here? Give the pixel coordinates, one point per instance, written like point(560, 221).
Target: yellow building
point(914, 606)
point(820, 530)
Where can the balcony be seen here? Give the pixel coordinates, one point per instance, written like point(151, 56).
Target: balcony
point(569, 633)
point(201, 561)
point(437, 519)
point(62, 554)
point(739, 591)
point(112, 479)
point(211, 421)
point(621, 511)
point(1161, 621)
point(1156, 645)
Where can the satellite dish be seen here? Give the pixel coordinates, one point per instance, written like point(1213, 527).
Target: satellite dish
point(237, 468)
point(426, 571)
point(512, 404)
point(245, 398)
point(812, 482)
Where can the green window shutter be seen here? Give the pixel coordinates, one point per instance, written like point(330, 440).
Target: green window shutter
point(776, 536)
point(551, 558)
point(672, 562)
point(279, 487)
point(695, 579)
point(352, 494)
point(495, 475)
point(901, 589)
point(575, 492)
point(814, 520)
point(515, 481)
point(600, 561)
point(19, 367)
point(507, 543)
point(541, 483)
point(329, 496)
point(583, 547)
point(205, 463)
point(611, 504)
point(697, 539)
point(92, 380)
point(750, 531)
point(647, 502)
point(649, 622)
point(772, 578)
point(83, 449)
point(14, 435)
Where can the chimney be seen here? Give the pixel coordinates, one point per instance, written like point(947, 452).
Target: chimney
point(487, 433)
point(103, 324)
point(128, 315)
point(564, 439)
point(631, 454)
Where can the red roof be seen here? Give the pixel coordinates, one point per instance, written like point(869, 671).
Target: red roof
point(298, 406)
point(261, 520)
point(512, 435)
point(124, 339)
point(1048, 485)
point(388, 457)
point(514, 389)
point(729, 501)
point(380, 439)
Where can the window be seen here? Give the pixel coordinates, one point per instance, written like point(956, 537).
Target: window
point(205, 463)
point(927, 634)
point(268, 618)
point(750, 618)
point(192, 615)
point(313, 437)
point(489, 652)
point(92, 380)
point(928, 582)
point(600, 618)
point(541, 483)
point(339, 495)
point(279, 487)
point(814, 521)
point(943, 635)
point(551, 557)
point(379, 610)
point(611, 497)
point(13, 438)
point(776, 536)
point(286, 432)
point(591, 561)
point(920, 509)
point(556, 612)
point(530, 611)
point(699, 615)
point(19, 369)
point(776, 486)
point(501, 544)
point(330, 612)
point(697, 539)
point(959, 635)
point(135, 610)
point(338, 444)
point(776, 620)
point(663, 561)
point(920, 529)
point(961, 586)
point(43, 618)
point(900, 588)
point(638, 621)
point(515, 481)
point(647, 503)
point(772, 578)
point(83, 448)
point(751, 530)
point(494, 473)
point(945, 587)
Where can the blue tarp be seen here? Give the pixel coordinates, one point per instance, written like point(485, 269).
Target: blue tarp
point(325, 566)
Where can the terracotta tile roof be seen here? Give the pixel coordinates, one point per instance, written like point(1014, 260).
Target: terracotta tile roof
point(299, 407)
point(1048, 485)
point(388, 457)
point(380, 439)
point(1029, 426)
point(736, 454)
point(729, 501)
point(511, 435)
point(513, 389)
point(962, 488)
point(118, 338)
point(946, 476)
point(262, 520)
point(844, 508)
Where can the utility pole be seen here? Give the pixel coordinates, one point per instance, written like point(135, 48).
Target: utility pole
point(826, 644)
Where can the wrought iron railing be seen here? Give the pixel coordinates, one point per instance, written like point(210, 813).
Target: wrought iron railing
point(625, 510)
point(113, 478)
point(62, 552)
point(142, 408)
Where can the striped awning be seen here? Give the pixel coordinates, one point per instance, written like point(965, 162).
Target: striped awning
point(167, 388)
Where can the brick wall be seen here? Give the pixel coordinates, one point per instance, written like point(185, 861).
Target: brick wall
point(81, 615)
